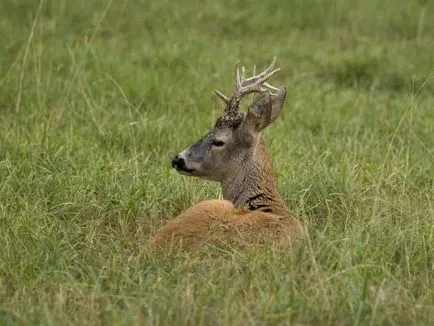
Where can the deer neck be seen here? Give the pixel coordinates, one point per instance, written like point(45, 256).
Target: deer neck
point(254, 185)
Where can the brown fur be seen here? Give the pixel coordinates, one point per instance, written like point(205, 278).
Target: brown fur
point(216, 222)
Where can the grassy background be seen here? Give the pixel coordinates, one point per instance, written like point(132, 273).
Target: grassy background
point(96, 97)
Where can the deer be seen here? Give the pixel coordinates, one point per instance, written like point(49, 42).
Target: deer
point(234, 153)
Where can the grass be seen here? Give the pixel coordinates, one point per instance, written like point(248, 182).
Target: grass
point(97, 96)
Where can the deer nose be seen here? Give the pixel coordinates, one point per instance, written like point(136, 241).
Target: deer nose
point(178, 163)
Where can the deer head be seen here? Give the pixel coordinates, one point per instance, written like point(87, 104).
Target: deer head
point(230, 147)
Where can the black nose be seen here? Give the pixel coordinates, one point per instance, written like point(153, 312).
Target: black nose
point(178, 163)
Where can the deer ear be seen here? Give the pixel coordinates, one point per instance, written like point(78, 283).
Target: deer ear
point(264, 111)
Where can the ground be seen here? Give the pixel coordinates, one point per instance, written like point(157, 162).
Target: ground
point(96, 97)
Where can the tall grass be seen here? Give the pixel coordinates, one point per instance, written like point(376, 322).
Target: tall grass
point(96, 96)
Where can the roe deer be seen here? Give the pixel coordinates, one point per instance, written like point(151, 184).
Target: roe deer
point(234, 154)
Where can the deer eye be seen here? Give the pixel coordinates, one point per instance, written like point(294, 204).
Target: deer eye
point(218, 143)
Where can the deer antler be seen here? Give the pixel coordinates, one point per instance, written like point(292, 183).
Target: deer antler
point(244, 86)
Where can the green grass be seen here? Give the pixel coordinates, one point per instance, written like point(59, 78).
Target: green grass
point(97, 96)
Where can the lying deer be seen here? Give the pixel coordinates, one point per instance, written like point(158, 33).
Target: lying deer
point(234, 153)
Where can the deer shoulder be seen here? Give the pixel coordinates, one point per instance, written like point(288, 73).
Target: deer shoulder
point(234, 154)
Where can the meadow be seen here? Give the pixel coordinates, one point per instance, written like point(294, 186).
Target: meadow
point(97, 96)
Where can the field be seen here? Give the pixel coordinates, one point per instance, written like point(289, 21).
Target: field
point(97, 96)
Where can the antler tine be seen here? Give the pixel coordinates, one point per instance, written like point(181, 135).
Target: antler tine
point(221, 96)
point(240, 78)
point(265, 72)
point(271, 87)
